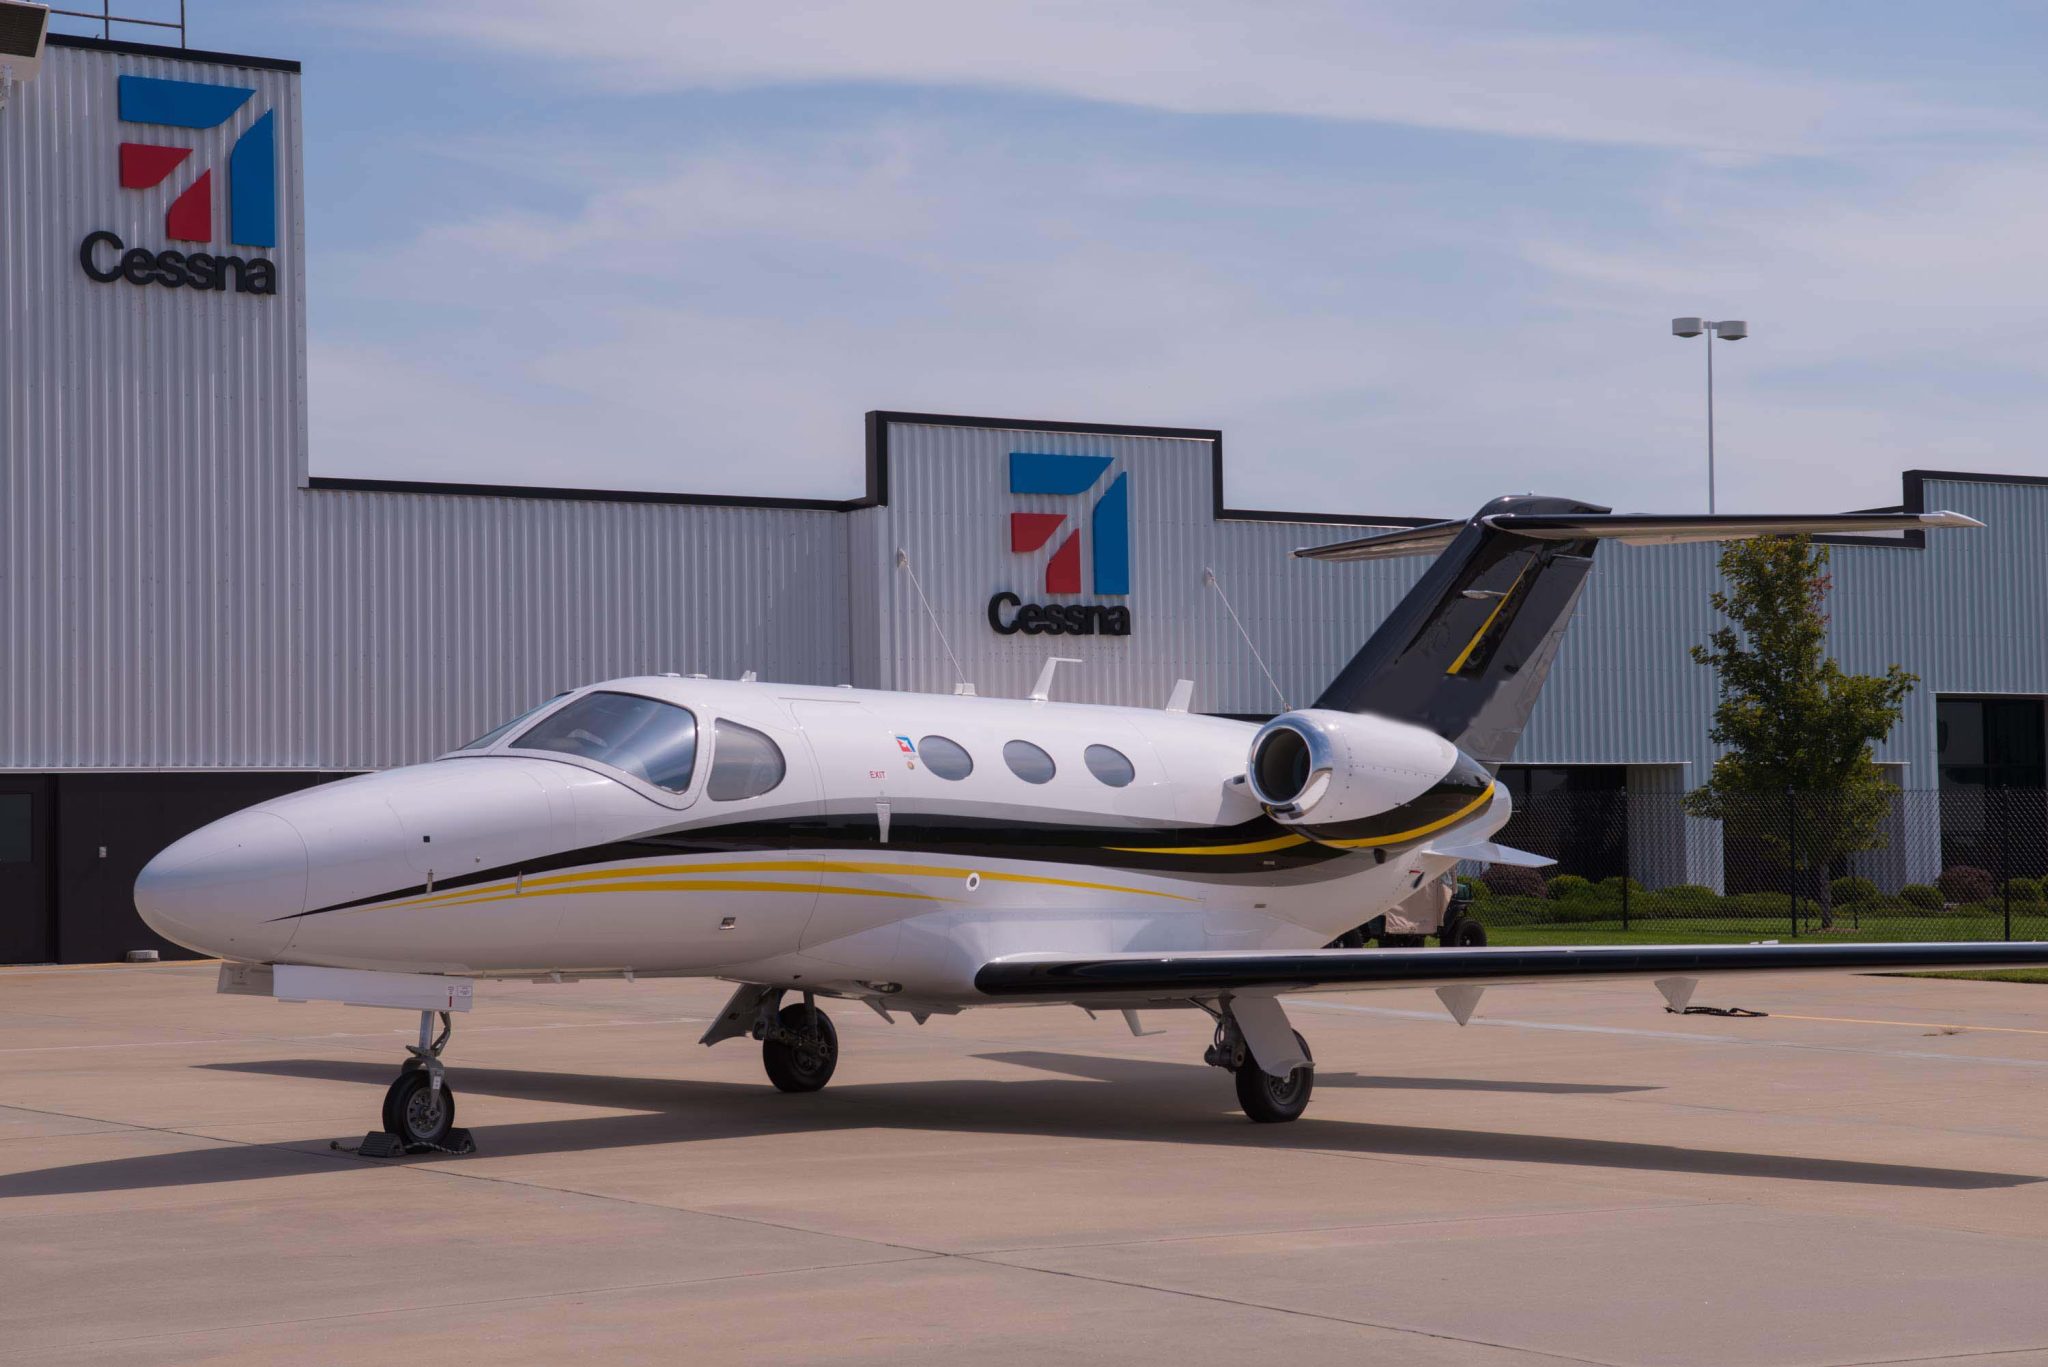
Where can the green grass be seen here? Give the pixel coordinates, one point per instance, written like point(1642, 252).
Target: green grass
point(1721, 931)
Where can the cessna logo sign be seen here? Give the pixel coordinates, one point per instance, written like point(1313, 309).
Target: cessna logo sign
point(250, 180)
point(1108, 528)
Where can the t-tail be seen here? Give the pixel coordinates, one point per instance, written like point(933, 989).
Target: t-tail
point(1466, 653)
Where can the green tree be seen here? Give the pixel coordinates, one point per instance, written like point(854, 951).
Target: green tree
point(1798, 776)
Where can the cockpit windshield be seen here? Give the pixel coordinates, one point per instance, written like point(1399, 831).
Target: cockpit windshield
point(499, 732)
point(650, 740)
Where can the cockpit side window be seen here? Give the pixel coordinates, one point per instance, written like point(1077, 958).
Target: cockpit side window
point(744, 763)
point(653, 741)
point(498, 733)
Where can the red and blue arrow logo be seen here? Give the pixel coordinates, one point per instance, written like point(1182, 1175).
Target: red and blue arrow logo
point(252, 164)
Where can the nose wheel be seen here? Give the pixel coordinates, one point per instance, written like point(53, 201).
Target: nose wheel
point(419, 1106)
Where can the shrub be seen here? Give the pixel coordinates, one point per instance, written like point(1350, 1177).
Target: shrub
point(1768, 906)
point(1612, 886)
point(1849, 892)
point(1962, 883)
point(1691, 895)
point(1475, 888)
point(2024, 889)
point(1921, 896)
point(1578, 909)
point(1509, 880)
point(1569, 885)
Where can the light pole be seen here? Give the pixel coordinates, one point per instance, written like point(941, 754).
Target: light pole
point(1728, 330)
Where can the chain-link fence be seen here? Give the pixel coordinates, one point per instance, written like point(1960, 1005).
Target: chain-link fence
point(1951, 864)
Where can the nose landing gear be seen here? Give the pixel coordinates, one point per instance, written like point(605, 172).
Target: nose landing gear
point(419, 1107)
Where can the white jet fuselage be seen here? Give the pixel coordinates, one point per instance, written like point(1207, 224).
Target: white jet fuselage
point(848, 856)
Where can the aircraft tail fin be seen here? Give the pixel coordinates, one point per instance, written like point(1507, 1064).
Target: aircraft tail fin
point(1467, 651)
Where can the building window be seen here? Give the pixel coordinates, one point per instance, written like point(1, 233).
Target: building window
point(653, 741)
point(1028, 762)
point(1992, 758)
point(1109, 765)
point(1575, 813)
point(1990, 742)
point(16, 813)
point(744, 763)
point(946, 758)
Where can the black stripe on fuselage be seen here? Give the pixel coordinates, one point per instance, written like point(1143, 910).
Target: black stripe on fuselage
point(1145, 850)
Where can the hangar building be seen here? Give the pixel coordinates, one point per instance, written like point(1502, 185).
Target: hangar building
point(191, 621)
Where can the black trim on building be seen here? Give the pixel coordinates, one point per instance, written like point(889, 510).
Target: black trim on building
point(182, 54)
point(878, 422)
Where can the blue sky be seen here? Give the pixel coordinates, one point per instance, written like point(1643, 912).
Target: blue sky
point(1406, 256)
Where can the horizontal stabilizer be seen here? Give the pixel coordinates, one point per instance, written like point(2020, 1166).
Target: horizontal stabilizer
point(1654, 529)
point(1486, 852)
point(1208, 972)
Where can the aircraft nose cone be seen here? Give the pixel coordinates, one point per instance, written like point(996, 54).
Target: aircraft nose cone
point(222, 889)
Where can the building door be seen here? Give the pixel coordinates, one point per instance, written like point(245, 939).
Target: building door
point(26, 922)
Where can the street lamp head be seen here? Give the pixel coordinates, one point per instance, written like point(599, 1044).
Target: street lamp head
point(1687, 327)
point(1733, 330)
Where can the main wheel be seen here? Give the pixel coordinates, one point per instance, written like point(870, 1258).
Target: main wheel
point(806, 1064)
point(1271, 1100)
point(417, 1111)
point(1466, 933)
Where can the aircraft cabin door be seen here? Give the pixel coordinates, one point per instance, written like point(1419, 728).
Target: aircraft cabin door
point(857, 758)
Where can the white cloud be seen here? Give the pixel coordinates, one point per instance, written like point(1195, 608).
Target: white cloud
point(714, 315)
point(1467, 68)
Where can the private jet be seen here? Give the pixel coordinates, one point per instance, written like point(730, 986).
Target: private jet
point(923, 854)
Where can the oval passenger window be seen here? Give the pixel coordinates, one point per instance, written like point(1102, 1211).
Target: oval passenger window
point(946, 758)
point(1109, 765)
point(1028, 762)
point(744, 763)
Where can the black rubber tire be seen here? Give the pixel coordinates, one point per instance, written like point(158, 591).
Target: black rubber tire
point(415, 1112)
point(1273, 1101)
point(1350, 939)
point(806, 1067)
point(1466, 933)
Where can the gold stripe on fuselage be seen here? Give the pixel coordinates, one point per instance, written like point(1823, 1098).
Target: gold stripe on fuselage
point(1283, 842)
point(1368, 842)
point(622, 880)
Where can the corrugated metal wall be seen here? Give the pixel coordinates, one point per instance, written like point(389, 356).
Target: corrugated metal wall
point(431, 618)
point(152, 439)
point(949, 509)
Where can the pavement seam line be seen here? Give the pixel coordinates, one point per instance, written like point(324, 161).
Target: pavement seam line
point(540, 1297)
point(1339, 1229)
point(1288, 1310)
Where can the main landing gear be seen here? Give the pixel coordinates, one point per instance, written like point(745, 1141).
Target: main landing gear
point(1267, 1097)
point(799, 1047)
point(419, 1107)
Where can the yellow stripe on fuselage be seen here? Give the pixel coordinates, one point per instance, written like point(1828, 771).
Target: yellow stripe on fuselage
point(682, 885)
point(1367, 842)
point(1283, 842)
point(630, 879)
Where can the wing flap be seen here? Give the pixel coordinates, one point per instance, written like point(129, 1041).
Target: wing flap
point(1209, 972)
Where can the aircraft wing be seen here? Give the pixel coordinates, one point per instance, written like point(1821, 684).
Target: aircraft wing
point(1210, 972)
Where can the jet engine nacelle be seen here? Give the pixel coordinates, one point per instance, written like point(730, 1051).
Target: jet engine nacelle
point(1328, 772)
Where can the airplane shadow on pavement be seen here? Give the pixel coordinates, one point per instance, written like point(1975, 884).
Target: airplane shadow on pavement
point(1094, 1097)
